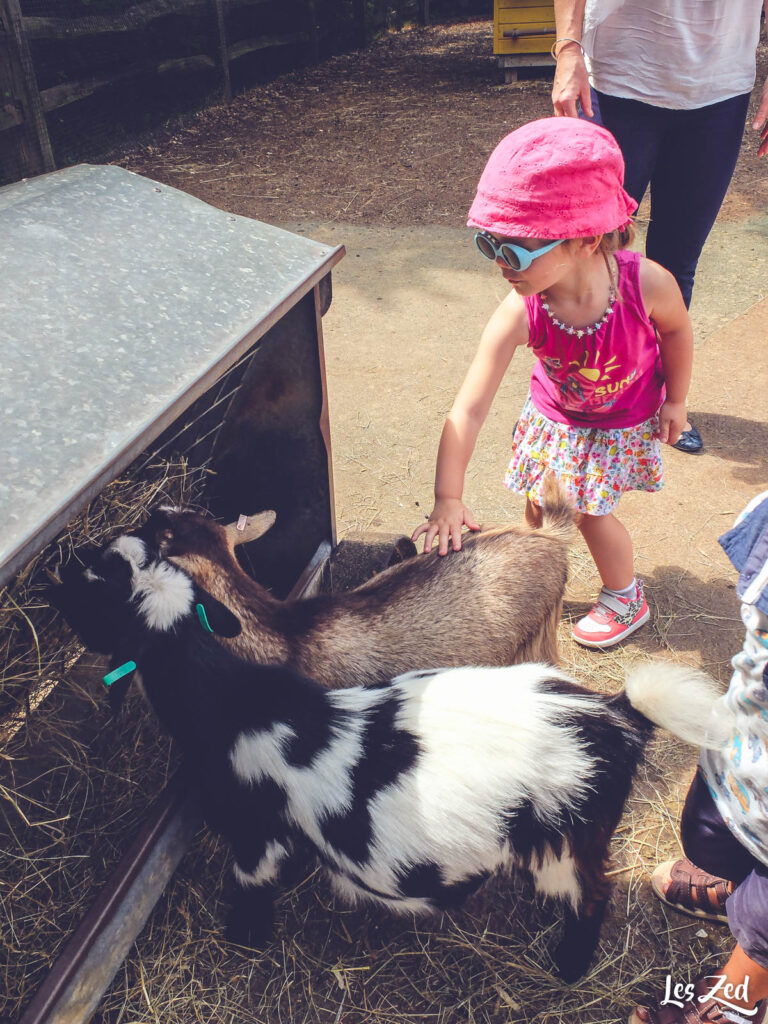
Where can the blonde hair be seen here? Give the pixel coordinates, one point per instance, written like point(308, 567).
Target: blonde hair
point(610, 243)
point(618, 239)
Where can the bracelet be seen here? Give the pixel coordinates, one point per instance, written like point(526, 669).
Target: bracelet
point(566, 39)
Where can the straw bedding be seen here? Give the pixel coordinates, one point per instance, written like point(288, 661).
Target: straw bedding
point(75, 784)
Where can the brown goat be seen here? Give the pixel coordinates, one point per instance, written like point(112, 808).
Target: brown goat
point(497, 601)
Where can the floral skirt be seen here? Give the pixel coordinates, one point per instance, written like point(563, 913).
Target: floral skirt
point(595, 466)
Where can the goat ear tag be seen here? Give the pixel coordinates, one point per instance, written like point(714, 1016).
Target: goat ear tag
point(122, 670)
point(203, 618)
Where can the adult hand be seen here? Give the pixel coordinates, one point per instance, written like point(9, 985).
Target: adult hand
point(445, 523)
point(760, 123)
point(571, 83)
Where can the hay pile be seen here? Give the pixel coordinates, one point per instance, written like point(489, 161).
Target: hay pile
point(75, 783)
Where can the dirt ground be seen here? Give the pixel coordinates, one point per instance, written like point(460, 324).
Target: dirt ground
point(396, 134)
point(380, 151)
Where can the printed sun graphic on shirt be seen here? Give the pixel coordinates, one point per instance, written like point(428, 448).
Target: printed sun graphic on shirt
point(594, 373)
point(590, 384)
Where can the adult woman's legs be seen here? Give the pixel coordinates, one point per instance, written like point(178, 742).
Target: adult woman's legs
point(639, 130)
point(693, 170)
point(688, 157)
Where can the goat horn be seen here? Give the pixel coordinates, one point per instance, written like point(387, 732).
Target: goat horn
point(253, 527)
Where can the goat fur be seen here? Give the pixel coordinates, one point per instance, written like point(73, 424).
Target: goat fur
point(409, 795)
point(497, 601)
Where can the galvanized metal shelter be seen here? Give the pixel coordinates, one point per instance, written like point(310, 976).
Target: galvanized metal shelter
point(136, 320)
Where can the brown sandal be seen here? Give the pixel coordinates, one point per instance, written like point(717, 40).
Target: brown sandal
point(691, 890)
point(708, 1011)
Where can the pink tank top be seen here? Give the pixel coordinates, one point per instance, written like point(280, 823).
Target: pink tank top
point(609, 379)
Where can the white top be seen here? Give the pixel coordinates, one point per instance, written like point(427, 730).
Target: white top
point(680, 54)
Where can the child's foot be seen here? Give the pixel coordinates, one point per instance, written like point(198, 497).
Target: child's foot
point(612, 619)
point(680, 884)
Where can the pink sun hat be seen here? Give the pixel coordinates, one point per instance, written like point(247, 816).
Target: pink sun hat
point(558, 177)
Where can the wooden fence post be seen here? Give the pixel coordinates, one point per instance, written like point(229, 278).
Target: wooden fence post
point(223, 51)
point(359, 17)
point(18, 80)
point(314, 32)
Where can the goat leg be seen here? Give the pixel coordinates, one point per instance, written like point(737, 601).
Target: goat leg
point(579, 941)
point(252, 915)
point(257, 878)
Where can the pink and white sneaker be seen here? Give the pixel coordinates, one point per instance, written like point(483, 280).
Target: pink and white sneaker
point(612, 619)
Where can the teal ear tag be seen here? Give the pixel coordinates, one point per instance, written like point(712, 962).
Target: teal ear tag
point(122, 670)
point(203, 618)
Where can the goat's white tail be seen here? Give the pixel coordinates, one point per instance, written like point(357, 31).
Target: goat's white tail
point(682, 700)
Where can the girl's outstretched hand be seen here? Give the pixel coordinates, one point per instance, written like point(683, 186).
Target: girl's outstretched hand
point(672, 420)
point(445, 522)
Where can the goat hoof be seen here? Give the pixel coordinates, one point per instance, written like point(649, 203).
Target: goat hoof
point(569, 963)
point(247, 933)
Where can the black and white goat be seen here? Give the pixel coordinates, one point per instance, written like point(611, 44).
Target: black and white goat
point(409, 795)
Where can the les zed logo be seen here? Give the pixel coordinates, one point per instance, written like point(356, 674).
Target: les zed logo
point(677, 994)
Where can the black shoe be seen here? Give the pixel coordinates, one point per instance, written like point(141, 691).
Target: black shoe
point(689, 441)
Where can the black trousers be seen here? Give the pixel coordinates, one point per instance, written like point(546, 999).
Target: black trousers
point(688, 158)
point(711, 845)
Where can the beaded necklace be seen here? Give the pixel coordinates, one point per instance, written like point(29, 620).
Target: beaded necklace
point(580, 331)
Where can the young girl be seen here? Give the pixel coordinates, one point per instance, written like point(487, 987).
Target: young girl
point(613, 344)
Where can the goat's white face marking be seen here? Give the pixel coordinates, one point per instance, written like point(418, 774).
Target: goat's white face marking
point(162, 592)
point(132, 550)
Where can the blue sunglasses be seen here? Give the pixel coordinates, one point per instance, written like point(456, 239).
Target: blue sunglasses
point(515, 256)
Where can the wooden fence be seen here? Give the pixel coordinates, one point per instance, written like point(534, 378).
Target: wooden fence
point(74, 72)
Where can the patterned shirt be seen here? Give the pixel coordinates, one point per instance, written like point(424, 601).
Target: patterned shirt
point(737, 776)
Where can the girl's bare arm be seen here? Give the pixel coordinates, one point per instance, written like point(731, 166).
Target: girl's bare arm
point(664, 305)
point(507, 328)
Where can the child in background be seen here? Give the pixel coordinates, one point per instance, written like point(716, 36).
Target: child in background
point(613, 342)
point(724, 828)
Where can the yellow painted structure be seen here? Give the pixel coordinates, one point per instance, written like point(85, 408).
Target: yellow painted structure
point(525, 16)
